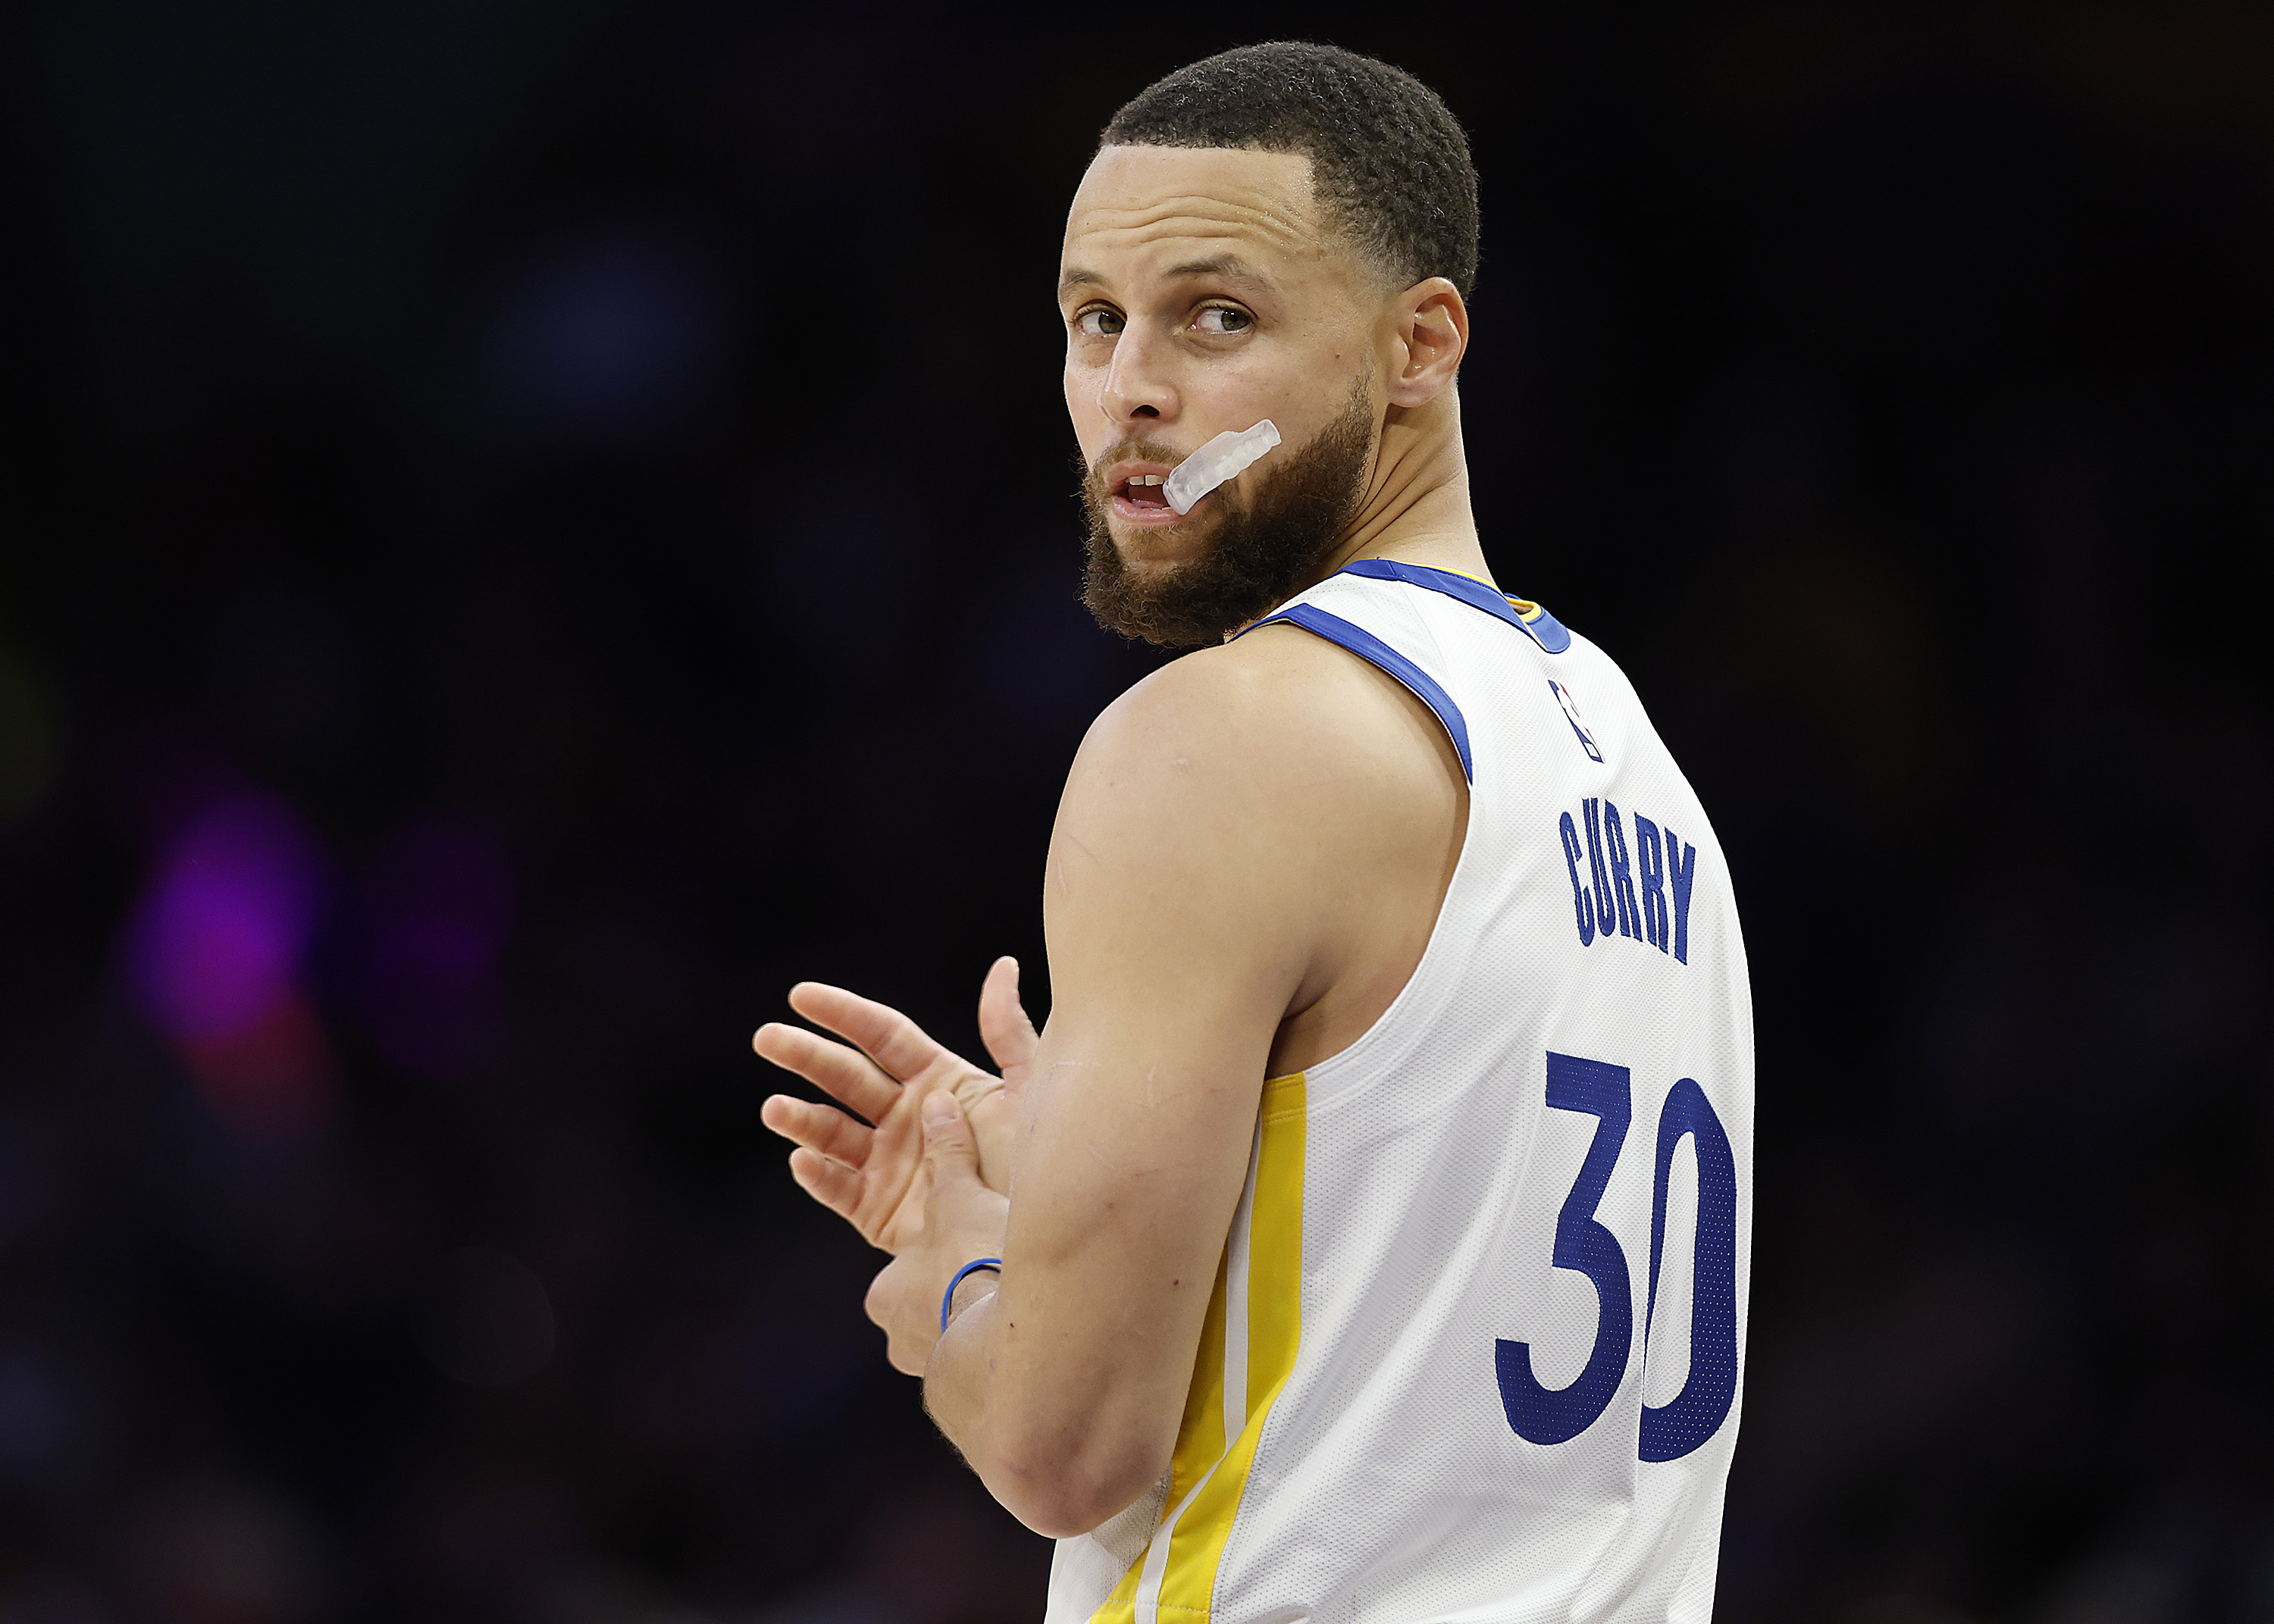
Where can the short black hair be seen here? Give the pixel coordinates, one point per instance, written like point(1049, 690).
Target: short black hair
point(1388, 161)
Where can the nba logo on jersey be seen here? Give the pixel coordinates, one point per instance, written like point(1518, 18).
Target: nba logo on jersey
point(1571, 715)
point(1536, 1422)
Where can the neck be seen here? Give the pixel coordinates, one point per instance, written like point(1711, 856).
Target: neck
point(1416, 508)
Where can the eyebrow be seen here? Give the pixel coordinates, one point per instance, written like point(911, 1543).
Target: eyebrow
point(1228, 266)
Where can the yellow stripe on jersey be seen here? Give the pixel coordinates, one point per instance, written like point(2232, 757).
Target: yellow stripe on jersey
point(1199, 1441)
point(1200, 1436)
point(1275, 1330)
point(1207, 1473)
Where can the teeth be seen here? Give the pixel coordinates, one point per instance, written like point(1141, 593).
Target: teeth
point(1147, 479)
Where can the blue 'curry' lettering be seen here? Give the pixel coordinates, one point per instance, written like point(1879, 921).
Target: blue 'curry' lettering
point(1642, 891)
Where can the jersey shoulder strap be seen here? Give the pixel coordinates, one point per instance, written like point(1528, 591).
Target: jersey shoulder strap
point(1529, 617)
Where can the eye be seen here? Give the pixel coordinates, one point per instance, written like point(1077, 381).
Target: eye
point(1099, 322)
point(1224, 318)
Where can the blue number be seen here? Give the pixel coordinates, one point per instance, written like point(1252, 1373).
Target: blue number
point(1582, 1244)
point(1696, 1413)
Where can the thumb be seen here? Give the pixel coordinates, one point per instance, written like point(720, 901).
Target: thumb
point(1004, 1024)
point(948, 1144)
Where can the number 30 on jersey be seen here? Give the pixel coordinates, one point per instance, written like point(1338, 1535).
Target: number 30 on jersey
point(1672, 1430)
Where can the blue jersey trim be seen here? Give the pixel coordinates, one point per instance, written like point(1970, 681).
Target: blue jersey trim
point(1366, 646)
point(1541, 626)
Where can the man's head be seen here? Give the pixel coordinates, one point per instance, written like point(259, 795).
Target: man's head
point(1285, 231)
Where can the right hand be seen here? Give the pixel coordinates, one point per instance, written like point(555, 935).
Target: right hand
point(871, 1172)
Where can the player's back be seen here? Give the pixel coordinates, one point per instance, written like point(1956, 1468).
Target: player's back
point(1475, 1346)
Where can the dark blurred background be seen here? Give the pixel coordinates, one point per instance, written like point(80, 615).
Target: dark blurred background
point(529, 526)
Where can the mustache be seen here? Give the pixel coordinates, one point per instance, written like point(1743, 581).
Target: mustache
point(1129, 449)
point(1252, 555)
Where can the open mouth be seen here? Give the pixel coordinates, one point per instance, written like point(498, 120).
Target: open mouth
point(1142, 501)
point(1142, 492)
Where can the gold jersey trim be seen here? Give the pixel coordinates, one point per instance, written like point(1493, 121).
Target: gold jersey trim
point(1248, 1343)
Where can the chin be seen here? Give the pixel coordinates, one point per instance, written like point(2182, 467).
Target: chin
point(1151, 549)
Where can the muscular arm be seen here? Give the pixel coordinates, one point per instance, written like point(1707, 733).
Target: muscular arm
point(1253, 843)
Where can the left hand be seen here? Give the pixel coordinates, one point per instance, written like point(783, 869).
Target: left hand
point(962, 1220)
point(865, 1162)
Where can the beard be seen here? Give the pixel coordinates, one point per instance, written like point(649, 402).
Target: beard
point(1257, 553)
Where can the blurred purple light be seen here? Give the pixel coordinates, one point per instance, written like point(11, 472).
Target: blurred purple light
point(214, 949)
point(220, 935)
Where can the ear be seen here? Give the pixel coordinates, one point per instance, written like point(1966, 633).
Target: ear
point(1430, 334)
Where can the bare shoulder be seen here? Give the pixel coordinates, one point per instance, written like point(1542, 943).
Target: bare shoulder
point(1275, 701)
point(1274, 751)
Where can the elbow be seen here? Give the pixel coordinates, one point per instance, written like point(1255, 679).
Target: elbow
point(1062, 1496)
point(1062, 1511)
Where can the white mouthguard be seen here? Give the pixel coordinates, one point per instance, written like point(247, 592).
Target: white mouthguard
point(1230, 453)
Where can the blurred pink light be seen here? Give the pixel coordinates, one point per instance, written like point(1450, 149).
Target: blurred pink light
point(215, 948)
point(223, 927)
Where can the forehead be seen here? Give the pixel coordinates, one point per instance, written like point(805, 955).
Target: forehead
point(1139, 205)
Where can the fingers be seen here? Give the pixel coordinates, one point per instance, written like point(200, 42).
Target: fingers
point(949, 1145)
point(832, 1184)
point(843, 1073)
point(1004, 1025)
point(886, 1036)
point(818, 1127)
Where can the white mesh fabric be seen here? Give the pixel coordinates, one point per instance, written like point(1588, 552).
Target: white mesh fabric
point(1389, 1483)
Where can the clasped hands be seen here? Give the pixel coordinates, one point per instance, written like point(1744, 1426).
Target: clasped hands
point(919, 1159)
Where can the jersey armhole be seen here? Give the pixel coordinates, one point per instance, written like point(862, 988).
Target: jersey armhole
point(1371, 649)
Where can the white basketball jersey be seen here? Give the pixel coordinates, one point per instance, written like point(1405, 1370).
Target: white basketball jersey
point(1474, 1348)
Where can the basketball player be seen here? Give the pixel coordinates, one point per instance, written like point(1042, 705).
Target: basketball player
point(1365, 1236)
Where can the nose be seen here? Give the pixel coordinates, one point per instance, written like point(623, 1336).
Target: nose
point(1136, 392)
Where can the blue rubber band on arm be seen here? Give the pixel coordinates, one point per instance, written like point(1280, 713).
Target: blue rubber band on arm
point(947, 1298)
